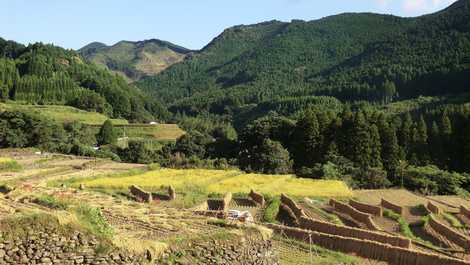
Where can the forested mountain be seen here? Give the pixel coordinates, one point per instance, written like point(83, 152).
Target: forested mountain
point(350, 57)
point(134, 60)
point(46, 74)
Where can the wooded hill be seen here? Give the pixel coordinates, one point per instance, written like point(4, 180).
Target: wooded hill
point(351, 57)
point(46, 74)
point(134, 60)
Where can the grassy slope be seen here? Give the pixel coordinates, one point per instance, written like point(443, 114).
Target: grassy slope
point(65, 114)
point(62, 114)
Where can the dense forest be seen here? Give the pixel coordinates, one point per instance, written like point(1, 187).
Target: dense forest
point(352, 57)
point(45, 74)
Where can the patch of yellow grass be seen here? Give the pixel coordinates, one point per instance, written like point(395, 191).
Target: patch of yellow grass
point(221, 181)
point(6, 160)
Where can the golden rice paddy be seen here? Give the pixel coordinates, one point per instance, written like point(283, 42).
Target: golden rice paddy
point(221, 181)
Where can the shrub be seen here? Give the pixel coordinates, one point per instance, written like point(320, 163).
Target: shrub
point(8, 164)
point(92, 218)
point(432, 180)
point(271, 211)
point(51, 202)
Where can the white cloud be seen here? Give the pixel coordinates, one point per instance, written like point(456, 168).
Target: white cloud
point(420, 6)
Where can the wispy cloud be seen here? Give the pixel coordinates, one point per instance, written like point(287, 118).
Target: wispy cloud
point(414, 7)
point(419, 6)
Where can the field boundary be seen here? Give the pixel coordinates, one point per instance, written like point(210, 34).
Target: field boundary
point(452, 235)
point(366, 208)
point(364, 218)
point(365, 248)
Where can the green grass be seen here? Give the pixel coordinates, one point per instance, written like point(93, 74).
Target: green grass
point(161, 132)
point(293, 252)
point(52, 202)
point(62, 114)
point(9, 165)
point(93, 219)
point(453, 221)
point(271, 211)
point(405, 226)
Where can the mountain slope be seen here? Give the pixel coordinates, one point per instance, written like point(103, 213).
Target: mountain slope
point(46, 74)
point(378, 58)
point(134, 60)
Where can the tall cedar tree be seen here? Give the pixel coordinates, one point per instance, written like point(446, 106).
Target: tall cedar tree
point(107, 134)
point(307, 136)
point(361, 142)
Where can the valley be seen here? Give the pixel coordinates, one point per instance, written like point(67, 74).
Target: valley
point(342, 140)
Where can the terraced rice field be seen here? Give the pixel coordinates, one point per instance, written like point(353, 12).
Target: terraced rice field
point(222, 181)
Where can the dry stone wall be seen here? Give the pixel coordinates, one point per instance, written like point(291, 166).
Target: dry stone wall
point(355, 214)
point(391, 206)
point(243, 252)
point(50, 247)
point(366, 208)
point(452, 235)
point(366, 249)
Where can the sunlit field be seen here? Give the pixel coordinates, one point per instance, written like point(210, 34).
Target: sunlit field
point(221, 181)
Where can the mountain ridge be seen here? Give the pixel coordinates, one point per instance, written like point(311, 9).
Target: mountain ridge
point(134, 59)
point(348, 56)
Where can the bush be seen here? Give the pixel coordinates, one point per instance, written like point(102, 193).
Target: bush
point(51, 202)
point(271, 211)
point(8, 164)
point(93, 219)
point(432, 180)
point(372, 178)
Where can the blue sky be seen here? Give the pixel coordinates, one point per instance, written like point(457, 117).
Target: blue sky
point(190, 23)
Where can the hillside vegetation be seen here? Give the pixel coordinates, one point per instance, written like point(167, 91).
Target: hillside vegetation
point(134, 60)
point(49, 75)
point(378, 58)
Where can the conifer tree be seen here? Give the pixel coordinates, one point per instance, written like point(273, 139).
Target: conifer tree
point(307, 135)
point(361, 142)
point(375, 146)
point(107, 134)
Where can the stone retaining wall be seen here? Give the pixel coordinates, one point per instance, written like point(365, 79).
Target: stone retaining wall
point(355, 214)
point(243, 252)
point(452, 235)
point(366, 208)
point(366, 249)
point(49, 247)
point(391, 206)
